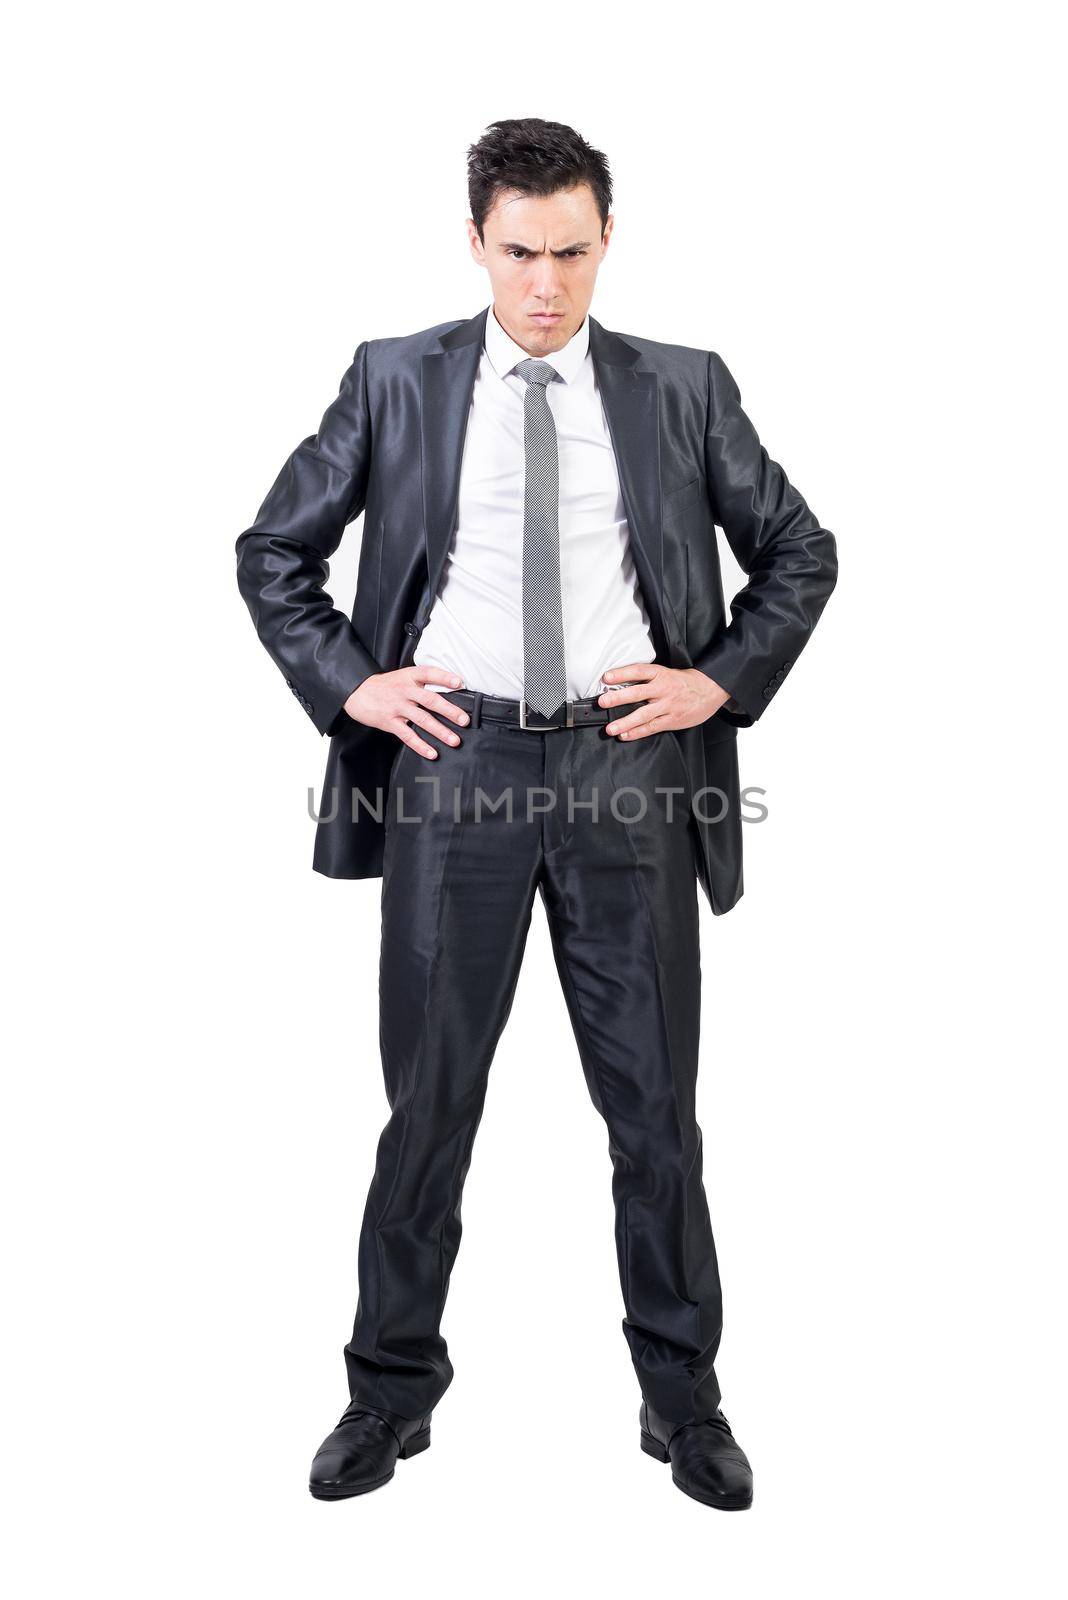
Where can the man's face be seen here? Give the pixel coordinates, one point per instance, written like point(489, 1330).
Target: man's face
point(542, 255)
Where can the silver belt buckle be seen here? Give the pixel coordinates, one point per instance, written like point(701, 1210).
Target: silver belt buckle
point(546, 726)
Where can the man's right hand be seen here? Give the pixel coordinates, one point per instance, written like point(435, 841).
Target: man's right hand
point(393, 701)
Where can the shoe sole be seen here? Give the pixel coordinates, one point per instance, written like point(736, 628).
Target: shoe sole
point(416, 1444)
point(654, 1448)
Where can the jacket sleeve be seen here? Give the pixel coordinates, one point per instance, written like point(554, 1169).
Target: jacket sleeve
point(282, 559)
point(790, 561)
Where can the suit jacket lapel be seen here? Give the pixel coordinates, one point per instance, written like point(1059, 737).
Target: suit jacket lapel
point(631, 400)
point(631, 403)
point(447, 380)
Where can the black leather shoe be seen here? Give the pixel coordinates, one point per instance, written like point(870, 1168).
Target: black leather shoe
point(362, 1451)
point(707, 1462)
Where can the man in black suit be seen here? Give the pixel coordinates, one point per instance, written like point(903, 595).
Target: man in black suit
point(539, 624)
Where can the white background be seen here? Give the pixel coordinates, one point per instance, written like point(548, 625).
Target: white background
point(213, 206)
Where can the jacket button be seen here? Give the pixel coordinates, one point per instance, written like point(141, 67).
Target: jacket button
point(767, 694)
point(411, 629)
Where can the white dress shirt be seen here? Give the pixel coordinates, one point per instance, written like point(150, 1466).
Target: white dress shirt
point(475, 628)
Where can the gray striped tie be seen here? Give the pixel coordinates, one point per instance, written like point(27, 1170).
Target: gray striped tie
point(544, 675)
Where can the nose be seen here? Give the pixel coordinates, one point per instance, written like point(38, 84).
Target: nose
point(546, 284)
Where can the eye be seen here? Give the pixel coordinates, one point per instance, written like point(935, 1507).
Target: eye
point(518, 255)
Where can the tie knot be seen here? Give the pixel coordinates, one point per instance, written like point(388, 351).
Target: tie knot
point(536, 371)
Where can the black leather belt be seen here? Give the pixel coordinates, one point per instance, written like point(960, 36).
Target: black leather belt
point(517, 714)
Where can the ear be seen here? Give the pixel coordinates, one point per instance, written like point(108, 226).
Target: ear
point(478, 249)
point(607, 234)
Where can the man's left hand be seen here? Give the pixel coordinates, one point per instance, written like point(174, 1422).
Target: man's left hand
point(676, 697)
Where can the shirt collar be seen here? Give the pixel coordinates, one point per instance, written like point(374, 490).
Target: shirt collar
point(504, 353)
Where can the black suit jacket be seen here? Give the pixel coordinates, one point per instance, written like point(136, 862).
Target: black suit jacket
point(390, 446)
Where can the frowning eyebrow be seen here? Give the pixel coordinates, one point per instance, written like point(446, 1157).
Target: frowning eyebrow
point(583, 244)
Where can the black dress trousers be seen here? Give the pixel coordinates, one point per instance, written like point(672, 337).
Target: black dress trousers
point(592, 827)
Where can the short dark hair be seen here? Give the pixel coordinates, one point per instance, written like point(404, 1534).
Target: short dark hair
point(535, 157)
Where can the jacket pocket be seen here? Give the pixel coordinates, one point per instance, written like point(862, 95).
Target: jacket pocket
point(684, 495)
